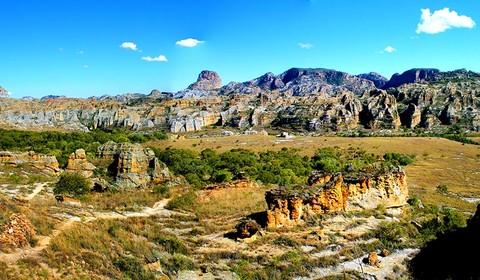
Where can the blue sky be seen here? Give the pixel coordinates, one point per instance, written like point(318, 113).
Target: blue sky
point(95, 47)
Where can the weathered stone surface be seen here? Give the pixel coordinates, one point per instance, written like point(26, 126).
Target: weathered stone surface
point(412, 116)
point(318, 100)
point(246, 228)
point(78, 163)
point(16, 232)
point(134, 166)
point(44, 163)
point(380, 111)
point(372, 259)
point(334, 192)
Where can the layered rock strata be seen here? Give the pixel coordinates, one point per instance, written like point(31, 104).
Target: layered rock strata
point(42, 162)
point(134, 166)
point(335, 192)
point(78, 163)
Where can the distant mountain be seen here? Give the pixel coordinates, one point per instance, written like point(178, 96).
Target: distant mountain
point(376, 78)
point(4, 92)
point(302, 99)
point(411, 76)
point(302, 82)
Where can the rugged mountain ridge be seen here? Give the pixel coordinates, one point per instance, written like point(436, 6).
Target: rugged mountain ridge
point(315, 100)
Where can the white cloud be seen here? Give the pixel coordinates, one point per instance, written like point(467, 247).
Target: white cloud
point(80, 52)
point(160, 58)
point(389, 49)
point(190, 42)
point(441, 20)
point(85, 66)
point(305, 45)
point(129, 46)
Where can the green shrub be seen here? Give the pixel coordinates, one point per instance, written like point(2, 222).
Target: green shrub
point(185, 202)
point(443, 189)
point(132, 268)
point(222, 176)
point(73, 184)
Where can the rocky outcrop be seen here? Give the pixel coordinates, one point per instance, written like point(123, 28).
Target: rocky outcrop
point(376, 78)
point(412, 116)
point(4, 93)
point(17, 231)
point(410, 76)
point(380, 111)
point(78, 163)
point(134, 166)
point(317, 100)
point(207, 80)
point(42, 162)
point(335, 192)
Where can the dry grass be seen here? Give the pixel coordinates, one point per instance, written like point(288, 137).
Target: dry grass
point(439, 161)
point(230, 202)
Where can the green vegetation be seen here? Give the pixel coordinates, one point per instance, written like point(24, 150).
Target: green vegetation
point(284, 167)
point(73, 184)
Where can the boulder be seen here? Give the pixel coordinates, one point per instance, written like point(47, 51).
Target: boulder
point(247, 228)
point(78, 163)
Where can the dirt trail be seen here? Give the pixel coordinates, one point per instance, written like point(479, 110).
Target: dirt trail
point(39, 187)
point(43, 241)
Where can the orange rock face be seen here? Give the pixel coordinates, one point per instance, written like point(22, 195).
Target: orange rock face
point(78, 163)
point(333, 193)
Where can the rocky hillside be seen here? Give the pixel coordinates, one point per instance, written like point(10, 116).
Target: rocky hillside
point(309, 100)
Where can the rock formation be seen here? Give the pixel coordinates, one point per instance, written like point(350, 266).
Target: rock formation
point(410, 76)
point(207, 80)
point(44, 163)
point(134, 166)
point(319, 100)
point(17, 231)
point(4, 93)
point(78, 163)
point(335, 192)
point(376, 78)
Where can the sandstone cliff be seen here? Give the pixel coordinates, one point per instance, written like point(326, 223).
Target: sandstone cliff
point(335, 192)
point(299, 99)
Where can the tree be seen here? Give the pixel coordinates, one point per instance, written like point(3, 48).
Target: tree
point(73, 184)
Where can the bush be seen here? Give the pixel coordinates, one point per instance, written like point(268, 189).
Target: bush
point(73, 184)
point(222, 176)
point(443, 189)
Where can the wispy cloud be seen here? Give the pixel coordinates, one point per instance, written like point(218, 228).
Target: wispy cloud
point(81, 52)
point(441, 20)
point(305, 45)
point(85, 66)
point(129, 46)
point(190, 42)
point(160, 58)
